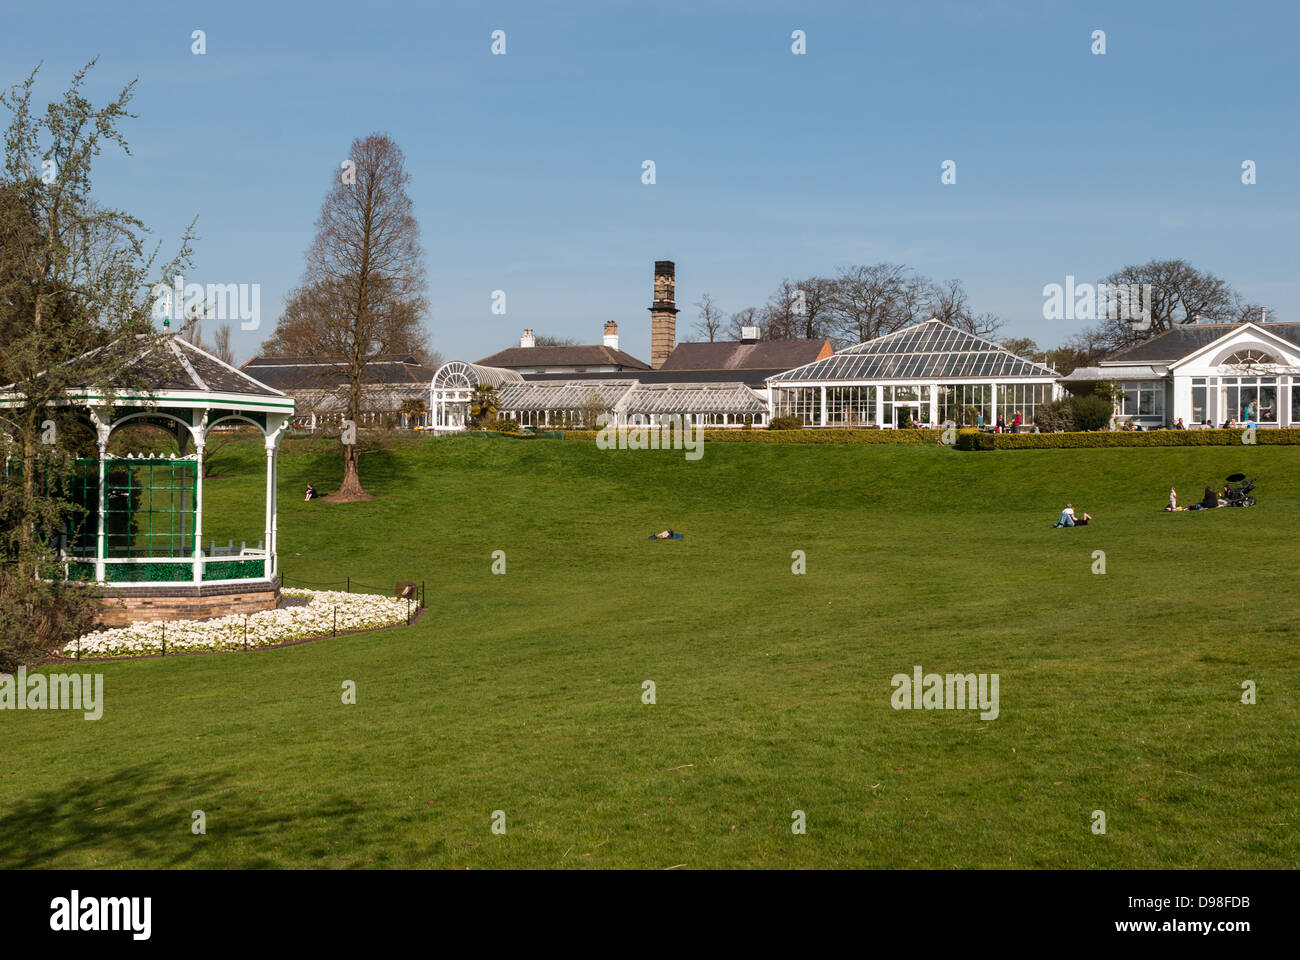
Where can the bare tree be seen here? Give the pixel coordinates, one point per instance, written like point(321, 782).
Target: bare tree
point(865, 301)
point(363, 288)
point(1179, 294)
point(749, 317)
point(815, 297)
point(949, 303)
point(221, 345)
point(780, 318)
point(711, 318)
point(305, 329)
point(547, 341)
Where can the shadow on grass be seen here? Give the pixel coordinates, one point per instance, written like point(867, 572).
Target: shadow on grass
point(141, 817)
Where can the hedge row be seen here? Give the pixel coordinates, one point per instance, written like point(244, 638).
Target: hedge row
point(798, 436)
point(970, 440)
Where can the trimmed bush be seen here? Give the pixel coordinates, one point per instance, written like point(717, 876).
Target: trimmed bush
point(969, 439)
point(785, 423)
point(1142, 438)
point(1054, 416)
point(1091, 412)
point(975, 440)
point(799, 436)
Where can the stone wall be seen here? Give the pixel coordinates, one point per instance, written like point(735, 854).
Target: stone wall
point(172, 601)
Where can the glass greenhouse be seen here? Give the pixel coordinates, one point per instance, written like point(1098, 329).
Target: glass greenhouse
point(931, 373)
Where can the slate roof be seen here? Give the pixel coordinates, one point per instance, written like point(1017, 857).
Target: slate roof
point(588, 355)
point(1173, 345)
point(755, 379)
point(741, 355)
point(307, 373)
point(173, 363)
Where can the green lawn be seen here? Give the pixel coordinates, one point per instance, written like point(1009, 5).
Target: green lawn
point(522, 692)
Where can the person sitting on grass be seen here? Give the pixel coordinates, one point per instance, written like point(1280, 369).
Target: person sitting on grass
point(1067, 517)
point(311, 493)
point(1210, 500)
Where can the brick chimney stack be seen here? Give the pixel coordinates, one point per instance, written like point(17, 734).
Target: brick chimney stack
point(663, 314)
point(611, 334)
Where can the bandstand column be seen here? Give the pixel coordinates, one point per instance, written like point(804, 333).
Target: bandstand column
point(199, 442)
point(270, 503)
point(275, 513)
point(103, 478)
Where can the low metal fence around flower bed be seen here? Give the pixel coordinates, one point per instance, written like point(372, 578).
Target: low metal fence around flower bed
point(325, 613)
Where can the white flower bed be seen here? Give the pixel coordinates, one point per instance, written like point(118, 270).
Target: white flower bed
point(356, 611)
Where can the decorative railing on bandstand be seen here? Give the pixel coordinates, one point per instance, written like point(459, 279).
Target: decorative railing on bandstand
point(168, 569)
point(151, 515)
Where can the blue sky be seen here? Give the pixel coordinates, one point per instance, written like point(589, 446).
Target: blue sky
point(526, 168)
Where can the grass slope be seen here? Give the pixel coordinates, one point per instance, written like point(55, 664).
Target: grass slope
point(522, 692)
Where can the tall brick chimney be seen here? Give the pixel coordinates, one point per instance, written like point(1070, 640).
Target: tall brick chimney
point(663, 314)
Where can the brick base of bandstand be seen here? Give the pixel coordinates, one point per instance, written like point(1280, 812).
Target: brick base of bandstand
point(124, 603)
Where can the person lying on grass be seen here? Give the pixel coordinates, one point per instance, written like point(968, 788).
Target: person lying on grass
point(1068, 518)
point(664, 535)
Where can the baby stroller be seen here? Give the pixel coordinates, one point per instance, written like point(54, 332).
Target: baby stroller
point(1240, 496)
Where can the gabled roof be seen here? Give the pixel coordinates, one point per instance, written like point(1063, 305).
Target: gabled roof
point(1182, 341)
point(1140, 371)
point(694, 398)
point(199, 370)
point(746, 355)
point(300, 373)
point(562, 394)
point(932, 350)
point(568, 356)
point(630, 396)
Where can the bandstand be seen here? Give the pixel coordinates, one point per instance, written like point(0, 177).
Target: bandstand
point(139, 533)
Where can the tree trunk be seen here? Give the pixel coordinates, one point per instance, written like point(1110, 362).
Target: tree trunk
point(350, 488)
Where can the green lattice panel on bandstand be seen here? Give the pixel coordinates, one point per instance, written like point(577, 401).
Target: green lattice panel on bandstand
point(234, 570)
point(148, 572)
point(81, 571)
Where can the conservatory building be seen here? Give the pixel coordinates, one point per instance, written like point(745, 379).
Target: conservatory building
point(931, 373)
point(559, 403)
point(1205, 374)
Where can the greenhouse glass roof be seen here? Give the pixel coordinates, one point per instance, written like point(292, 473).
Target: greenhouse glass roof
point(459, 375)
point(562, 394)
point(630, 396)
point(694, 398)
point(932, 350)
